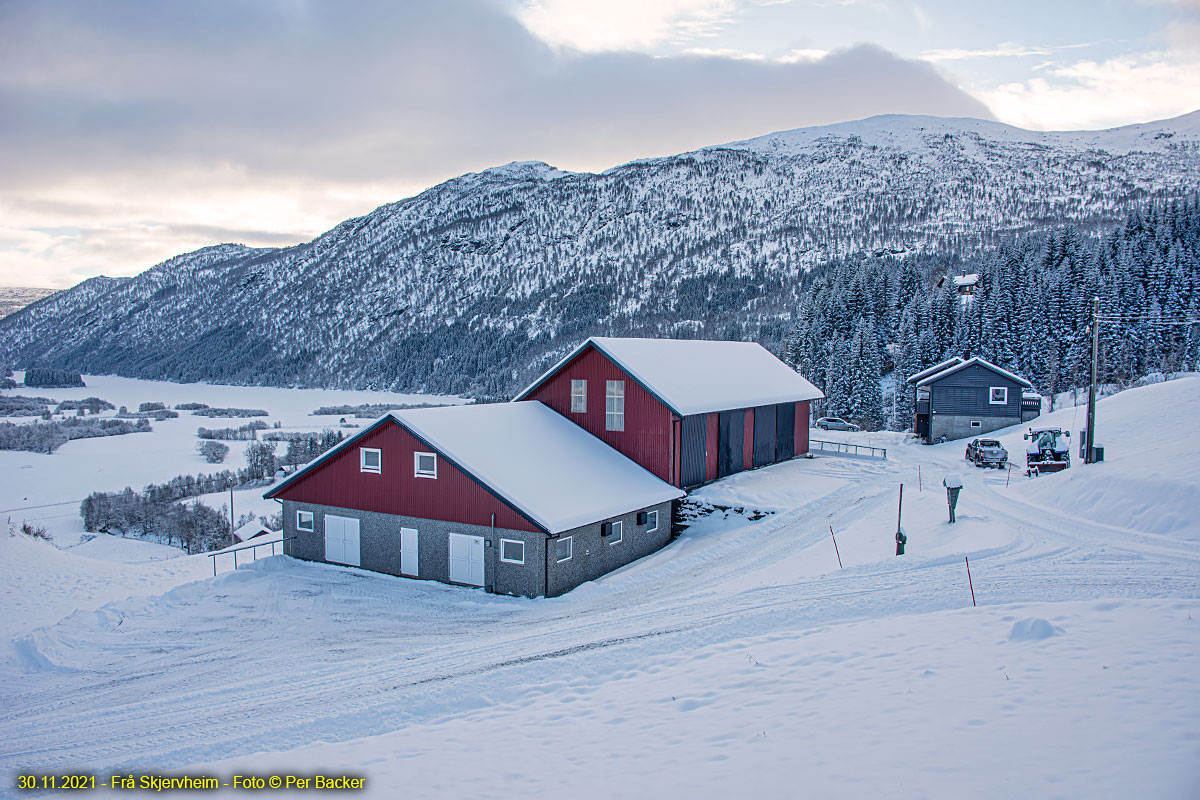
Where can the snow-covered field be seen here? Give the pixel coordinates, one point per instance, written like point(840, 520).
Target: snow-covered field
point(740, 660)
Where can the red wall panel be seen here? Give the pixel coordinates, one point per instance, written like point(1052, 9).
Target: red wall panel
point(647, 438)
point(801, 438)
point(714, 439)
point(453, 496)
point(748, 441)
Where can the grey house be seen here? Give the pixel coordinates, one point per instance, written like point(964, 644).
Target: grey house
point(510, 497)
point(960, 398)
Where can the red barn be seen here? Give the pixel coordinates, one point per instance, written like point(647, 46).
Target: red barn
point(690, 411)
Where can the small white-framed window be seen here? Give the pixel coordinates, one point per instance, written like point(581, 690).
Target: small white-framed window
point(998, 395)
point(512, 551)
point(651, 521)
point(578, 396)
point(614, 405)
point(562, 549)
point(976, 423)
point(425, 465)
point(616, 532)
point(370, 459)
point(304, 520)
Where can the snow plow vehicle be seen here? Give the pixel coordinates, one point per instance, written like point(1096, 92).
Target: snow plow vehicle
point(987, 453)
point(1049, 450)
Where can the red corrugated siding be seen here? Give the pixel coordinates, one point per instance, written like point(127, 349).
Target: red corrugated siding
point(748, 441)
point(648, 423)
point(714, 439)
point(801, 427)
point(452, 496)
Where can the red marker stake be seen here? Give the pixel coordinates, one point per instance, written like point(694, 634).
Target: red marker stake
point(835, 549)
point(969, 582)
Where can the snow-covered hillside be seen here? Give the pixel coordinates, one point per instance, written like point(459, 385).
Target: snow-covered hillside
point(481, 282)
point(738, 660)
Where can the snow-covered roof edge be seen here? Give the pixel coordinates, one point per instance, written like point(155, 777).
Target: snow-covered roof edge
point(590, 342)
point(936, 368)
point(981, 362)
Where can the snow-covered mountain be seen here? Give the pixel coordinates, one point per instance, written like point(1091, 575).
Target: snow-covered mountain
point(477, 283)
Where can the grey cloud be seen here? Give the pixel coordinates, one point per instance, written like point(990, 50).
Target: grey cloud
point(412, 91)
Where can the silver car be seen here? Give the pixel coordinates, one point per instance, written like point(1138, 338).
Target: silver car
point(835, 424)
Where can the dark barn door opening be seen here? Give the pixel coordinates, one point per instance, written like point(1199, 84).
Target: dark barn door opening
point(764, 435)
point(785, 431)
point(730, 442)
point(695, 453)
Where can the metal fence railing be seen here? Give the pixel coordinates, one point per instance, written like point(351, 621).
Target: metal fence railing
point(250, 545)
point(846, 448)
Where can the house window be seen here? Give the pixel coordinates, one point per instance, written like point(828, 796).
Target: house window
point(616, 532)
point(304, 520)
point(976, 423)
point(562, 550)
point(578, 396)
point(651, 521)
point(425, 465)
point(370, 460)
point(614, 405)
point(512, 551)
point(998, 396)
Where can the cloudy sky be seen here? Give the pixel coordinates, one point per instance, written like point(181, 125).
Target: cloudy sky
point(134, 131)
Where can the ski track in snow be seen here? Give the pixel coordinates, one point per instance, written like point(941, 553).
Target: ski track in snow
point(282, 654)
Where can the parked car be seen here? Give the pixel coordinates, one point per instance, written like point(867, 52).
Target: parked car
point(835, 424)
point(987, 453)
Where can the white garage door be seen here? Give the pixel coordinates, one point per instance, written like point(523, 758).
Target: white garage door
point(408, 551)
point(341, 540)
point(466, 559)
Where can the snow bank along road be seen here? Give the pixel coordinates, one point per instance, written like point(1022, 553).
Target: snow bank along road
point(738, 658)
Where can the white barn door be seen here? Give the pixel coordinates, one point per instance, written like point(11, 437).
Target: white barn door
point(466, 559)
point(341, 540)
point(408, 551)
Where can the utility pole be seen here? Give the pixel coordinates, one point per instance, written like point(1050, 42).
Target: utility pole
point(1089, 452)
point(232, 535)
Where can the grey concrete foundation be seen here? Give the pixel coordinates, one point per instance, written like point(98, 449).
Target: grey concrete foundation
point(954, 426)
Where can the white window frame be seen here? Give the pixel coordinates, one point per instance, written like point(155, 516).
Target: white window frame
point(650, 514)
point(618, 532)
point(992, 395)
point(578, 392)
point(570, 549)
point(362, 460)
point(520, 560)
point(975, 423)
point(614, 405)
point(312, 521)
point(420, 473)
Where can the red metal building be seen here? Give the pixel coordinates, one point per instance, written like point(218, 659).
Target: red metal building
point(689, 411)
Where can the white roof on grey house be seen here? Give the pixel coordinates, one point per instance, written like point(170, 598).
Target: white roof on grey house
point(695, 376)
point(981, 362)
point(935, 369)
point(549, 468)
point(966, 280)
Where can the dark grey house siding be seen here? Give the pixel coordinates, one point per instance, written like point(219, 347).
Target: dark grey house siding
point(785, 431)
point(379, 548)
point(731, 430)
point(764, 435)
point(694, 449)
point(966, 392)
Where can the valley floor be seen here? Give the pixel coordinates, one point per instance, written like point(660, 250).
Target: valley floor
point(738, 660)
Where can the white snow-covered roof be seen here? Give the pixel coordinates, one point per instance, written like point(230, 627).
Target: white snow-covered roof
point(1027, 395)
point(935, 369)
point(976, 360)
point(251, 530)
point(549, 468)
point(966, 280)
point(695, 376)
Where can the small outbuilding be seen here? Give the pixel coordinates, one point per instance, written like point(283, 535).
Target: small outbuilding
point(688, 410)
point(959, 398)
point(511, 497)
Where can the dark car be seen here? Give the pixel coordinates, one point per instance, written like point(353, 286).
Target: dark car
point(835, 424)
point(987, 453)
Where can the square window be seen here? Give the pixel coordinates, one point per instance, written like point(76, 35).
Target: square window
point(578, 396)
point(512, 551)
point(998, 396)
point(370, 460)
point(616, 532)
point(651, 521)
point(614, 405)
point(562, 550)
point(425, 465)
point(304, 520)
